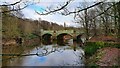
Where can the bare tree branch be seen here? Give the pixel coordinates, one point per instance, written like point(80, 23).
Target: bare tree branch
point(49, 12)
point(52, 11)
point(17, 9)
point(12, 3)
point(105, 10)
point(84, 8)
point(100, 13)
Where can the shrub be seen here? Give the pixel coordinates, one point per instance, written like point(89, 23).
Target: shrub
point(100, 44)
point(31, 36)
point(90, 48)
point(93, 65)
point(112, 45)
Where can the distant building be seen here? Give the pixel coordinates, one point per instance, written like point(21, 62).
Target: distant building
point(64, 25)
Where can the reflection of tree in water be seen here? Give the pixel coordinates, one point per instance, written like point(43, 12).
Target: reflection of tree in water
point(74, 46)
point(21, 49)
point(80, 58)
point(78, 62)
point(11, 57)
point(39, 51)
point(45, 51)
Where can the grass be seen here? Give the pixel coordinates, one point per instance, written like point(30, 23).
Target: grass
point(90, 48)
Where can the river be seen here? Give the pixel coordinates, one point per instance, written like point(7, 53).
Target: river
point(44, 55)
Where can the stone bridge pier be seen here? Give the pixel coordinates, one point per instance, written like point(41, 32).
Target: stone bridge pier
point(54, 35)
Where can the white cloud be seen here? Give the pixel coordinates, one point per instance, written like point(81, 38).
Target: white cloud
point(56, 18)
point(30, 14)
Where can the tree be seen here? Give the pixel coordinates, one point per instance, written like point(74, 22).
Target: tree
point(118, 21)
point(86, 19)
point(93, 22)
point(102, 12)
point(9, 28)
point(115, 17)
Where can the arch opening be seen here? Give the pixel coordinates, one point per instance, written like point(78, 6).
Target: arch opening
point(47, 39)
point(63, 38)
point(79, 39)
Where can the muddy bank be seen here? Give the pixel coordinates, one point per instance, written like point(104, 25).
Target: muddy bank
point(104, 38)
point(102, 51)
point(110, 57)
point(9, 42)
point(107, 56)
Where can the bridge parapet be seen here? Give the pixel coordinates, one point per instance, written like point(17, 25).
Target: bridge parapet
point(47, 31)
point(71, 32)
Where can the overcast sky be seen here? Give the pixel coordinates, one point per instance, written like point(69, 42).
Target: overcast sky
point(30, 13)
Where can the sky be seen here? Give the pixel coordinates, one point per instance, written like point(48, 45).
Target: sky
point(29, 12)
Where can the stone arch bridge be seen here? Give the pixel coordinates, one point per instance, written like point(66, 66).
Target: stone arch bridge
point(60, 35)
point(55, 33)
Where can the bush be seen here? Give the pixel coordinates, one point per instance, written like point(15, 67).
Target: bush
point(31, 36)
point(115, 45)
point(93, 65)
point(100, 44)
point(90, 48)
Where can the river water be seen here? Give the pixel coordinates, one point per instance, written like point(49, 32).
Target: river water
point(44, 55)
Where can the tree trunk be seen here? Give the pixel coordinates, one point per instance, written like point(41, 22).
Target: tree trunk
point(86, 26)
point(115, 18)
point(118, 6)
point(95, 31)
point(106, 26)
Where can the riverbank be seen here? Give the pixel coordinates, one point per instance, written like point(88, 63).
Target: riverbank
point(102, 51)
point(24, 40)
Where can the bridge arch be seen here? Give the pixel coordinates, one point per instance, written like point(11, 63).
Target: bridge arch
point(47, 38)
point(61, 38)
point(79, 38)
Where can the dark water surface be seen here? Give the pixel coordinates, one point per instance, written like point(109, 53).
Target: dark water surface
point(44, 55)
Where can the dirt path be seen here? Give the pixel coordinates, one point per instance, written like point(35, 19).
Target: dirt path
point(110, 57)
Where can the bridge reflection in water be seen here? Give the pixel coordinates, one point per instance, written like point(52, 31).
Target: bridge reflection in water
point(45, 55)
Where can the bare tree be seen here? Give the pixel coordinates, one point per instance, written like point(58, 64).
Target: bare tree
point(103, 13)
point(93, 24)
